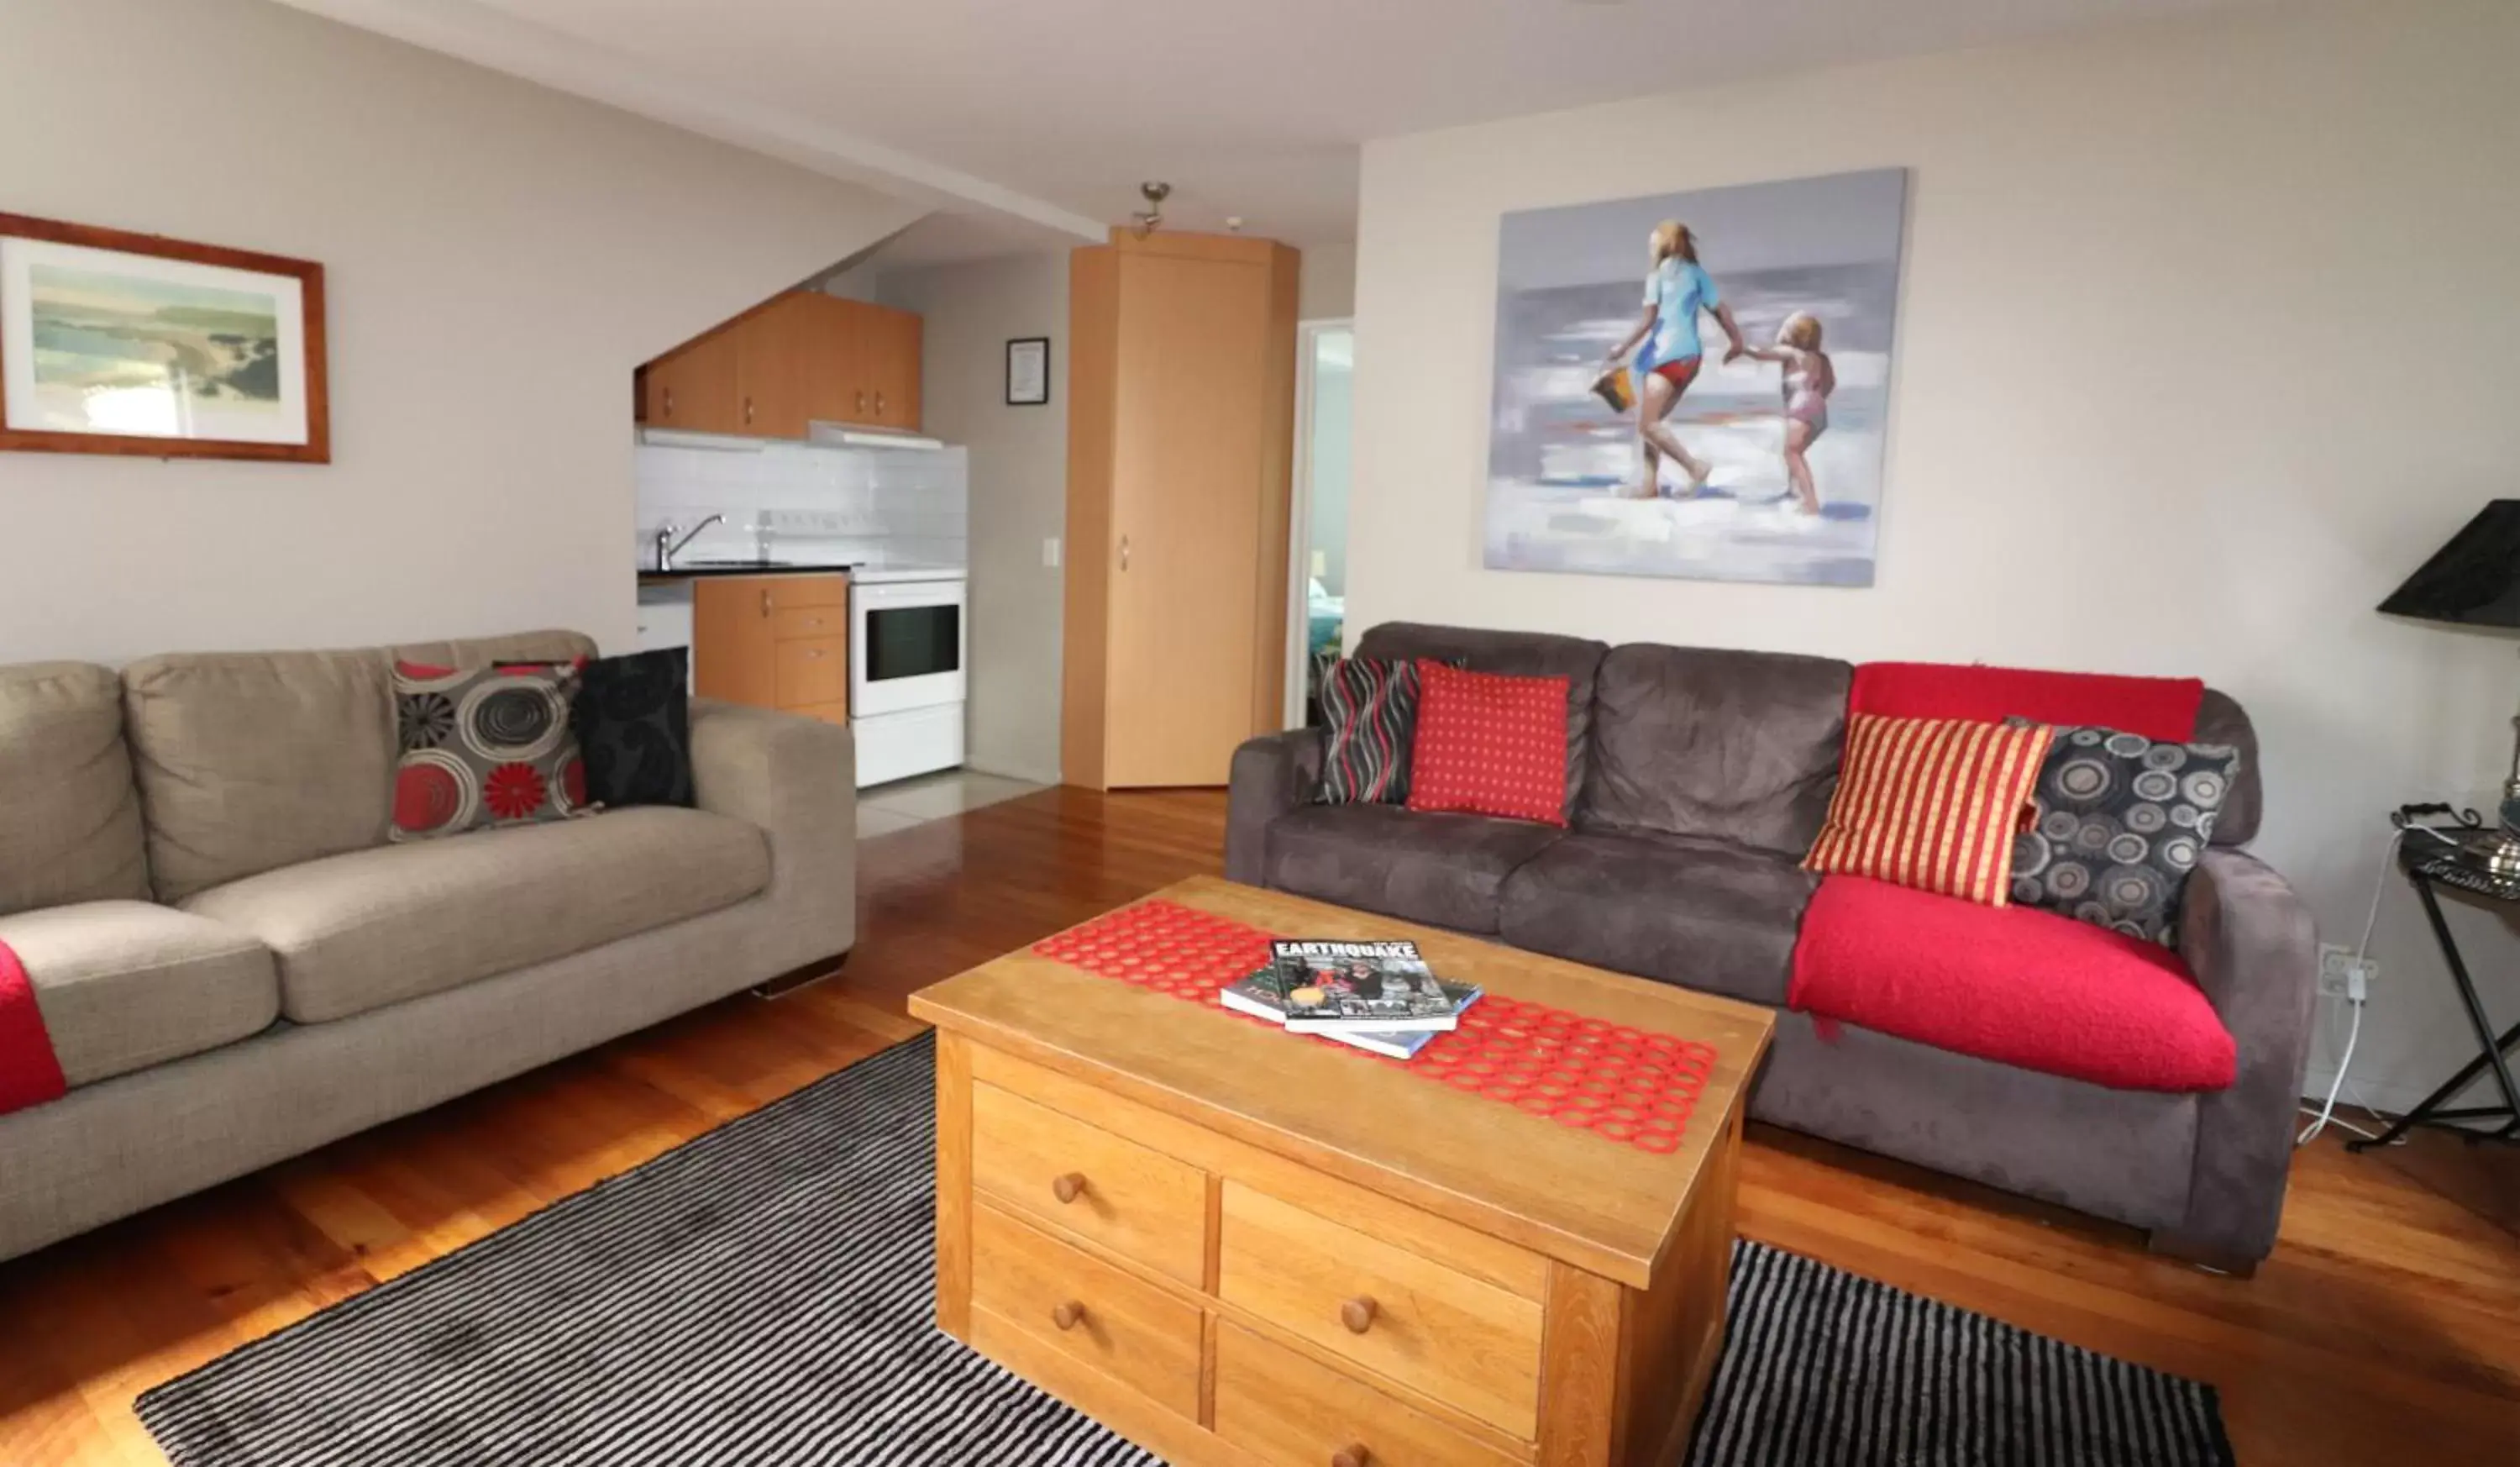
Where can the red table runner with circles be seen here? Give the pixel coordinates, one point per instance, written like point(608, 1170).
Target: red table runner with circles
point(1623, 1084)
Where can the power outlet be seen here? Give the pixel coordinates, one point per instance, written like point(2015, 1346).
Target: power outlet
point(2342, 975)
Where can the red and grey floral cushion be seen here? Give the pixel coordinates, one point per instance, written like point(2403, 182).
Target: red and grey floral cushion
point(1489, 744)
point(485, 746)
point(1371, 711)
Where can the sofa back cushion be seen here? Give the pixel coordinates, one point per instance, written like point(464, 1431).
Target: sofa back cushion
point(2172, 710)
point(1689, 741)
point(1524, 653)
point(73, 818)
point(252, 760)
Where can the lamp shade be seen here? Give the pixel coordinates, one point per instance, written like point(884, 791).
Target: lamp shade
point(2474, 579)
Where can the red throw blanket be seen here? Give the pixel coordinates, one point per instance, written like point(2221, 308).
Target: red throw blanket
point(2157, 708)
point(29, 1074)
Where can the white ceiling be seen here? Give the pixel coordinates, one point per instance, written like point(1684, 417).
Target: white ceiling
point(1034, 121)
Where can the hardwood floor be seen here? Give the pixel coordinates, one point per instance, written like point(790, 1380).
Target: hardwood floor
point(2386, 1328)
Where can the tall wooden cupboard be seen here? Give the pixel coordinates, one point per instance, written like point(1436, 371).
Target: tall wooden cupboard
point(1180, 444)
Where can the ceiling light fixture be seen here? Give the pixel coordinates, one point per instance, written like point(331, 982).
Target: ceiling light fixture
point(1152, 217)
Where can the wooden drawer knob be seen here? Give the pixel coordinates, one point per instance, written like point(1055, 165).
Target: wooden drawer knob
point(1352, 1454)
point(1069, 1315)
point(1069, 1187)
point(1358, 1315)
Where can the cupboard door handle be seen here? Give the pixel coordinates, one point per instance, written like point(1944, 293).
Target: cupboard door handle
point(669, 402)
point(1352, 1454)
point(1358, 1313)
point(861, 399)
point(765, 602)
point(879, 405)
point(748, 409)
point(814, 652)
point(1124, 552)
point(1069, 1187)
point(1068, 1314)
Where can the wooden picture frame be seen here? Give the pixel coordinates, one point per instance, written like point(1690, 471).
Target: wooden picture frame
point(1028, 372)
point(222, 350)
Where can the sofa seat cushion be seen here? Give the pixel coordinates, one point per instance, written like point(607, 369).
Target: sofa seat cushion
point(127, 984)
point(369, 928)
point(1446, 870)
point(1702, 913)
point(2013, 984)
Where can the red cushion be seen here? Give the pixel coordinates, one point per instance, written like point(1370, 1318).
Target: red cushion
point(2014, 984)
point(1489, 744)
point(2157, 708)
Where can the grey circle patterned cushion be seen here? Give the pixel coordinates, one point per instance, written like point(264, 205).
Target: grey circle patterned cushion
point(2121, 821)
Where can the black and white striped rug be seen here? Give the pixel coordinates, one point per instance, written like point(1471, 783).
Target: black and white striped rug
point(761, 1296)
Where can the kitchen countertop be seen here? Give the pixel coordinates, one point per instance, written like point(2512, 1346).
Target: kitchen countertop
point(706, 571)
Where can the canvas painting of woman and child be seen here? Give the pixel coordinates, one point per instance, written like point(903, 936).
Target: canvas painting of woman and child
point(1697, 385)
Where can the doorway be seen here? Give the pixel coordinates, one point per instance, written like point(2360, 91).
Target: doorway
point(1317, 579)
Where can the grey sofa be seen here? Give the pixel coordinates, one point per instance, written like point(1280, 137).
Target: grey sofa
point(1697, 778)
point(233, 966)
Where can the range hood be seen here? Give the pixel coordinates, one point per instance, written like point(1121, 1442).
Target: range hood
point(817, 436)
point(850, 435)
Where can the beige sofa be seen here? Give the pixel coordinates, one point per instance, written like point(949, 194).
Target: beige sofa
point(235, 966)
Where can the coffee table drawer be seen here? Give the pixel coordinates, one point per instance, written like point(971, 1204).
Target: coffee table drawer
point(1136, 1202)
point(1418, 1321)
point(1028, 1282)
point(1281, 1407)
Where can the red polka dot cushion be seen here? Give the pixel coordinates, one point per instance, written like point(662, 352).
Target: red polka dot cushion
point(1489, 744)
point(485, 746)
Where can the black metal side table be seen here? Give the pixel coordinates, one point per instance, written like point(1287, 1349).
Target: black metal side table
point(2433, 858)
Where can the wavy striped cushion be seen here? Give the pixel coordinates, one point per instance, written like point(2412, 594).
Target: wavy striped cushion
point(1371, 709)
point(1931, 804)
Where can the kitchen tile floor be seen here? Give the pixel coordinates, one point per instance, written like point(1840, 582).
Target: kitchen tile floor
point(903, 803)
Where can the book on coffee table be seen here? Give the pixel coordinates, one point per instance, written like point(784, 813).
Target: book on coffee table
point(1261, 997)
point(1330, 987)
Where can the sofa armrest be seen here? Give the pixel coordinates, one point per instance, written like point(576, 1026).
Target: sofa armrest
point(794, 778)
point(2254, 949)
point(1272, 775)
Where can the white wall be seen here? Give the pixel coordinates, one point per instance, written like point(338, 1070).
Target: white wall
point(2203, 345)
point(498, 257)
point(1326, 285)
point(1019, 489)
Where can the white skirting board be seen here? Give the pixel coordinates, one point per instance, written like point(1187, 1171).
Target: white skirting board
point(897, 745)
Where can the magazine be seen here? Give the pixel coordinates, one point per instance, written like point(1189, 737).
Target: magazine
point(1259, 995)
point(1332, 985)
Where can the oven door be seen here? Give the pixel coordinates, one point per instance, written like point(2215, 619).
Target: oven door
point(906, 646)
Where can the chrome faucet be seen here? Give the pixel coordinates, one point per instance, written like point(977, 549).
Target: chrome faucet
point(667, 545)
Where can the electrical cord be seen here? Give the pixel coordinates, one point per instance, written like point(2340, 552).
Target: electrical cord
point(2326, 1115)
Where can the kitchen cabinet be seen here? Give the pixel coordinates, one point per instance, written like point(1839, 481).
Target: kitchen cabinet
point(774, 641)
point(1180, 440)
point(796, 359)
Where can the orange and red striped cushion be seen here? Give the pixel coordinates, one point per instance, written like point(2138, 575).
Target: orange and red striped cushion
point(1931, 804)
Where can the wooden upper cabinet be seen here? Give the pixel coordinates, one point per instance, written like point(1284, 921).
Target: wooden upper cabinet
point(800, 358)
point(694, 388)
point(775, 365)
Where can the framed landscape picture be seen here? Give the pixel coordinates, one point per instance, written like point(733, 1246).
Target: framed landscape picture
point(119, 343)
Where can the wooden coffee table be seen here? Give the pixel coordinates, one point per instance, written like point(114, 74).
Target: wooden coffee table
point(1242, 1247)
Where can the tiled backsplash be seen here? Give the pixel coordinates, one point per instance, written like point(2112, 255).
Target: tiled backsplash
point(804, 502)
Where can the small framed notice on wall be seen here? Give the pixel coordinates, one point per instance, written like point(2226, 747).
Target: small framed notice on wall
point(1028, 372)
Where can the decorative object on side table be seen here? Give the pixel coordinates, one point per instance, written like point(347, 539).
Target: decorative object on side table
point(2474, 580)
point(2442, 847)
point(119, 343)
point(1028, 372)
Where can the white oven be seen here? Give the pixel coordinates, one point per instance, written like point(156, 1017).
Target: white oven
point(907, 643)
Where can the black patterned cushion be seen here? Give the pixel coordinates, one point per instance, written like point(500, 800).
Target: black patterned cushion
point(634, 723)
point(484, 745)
point(2121, 823)
point(1371, 710)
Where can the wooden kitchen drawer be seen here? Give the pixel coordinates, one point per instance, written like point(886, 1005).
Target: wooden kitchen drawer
point(1139, 1203)
point(789, 592)
point(789, 624)
point(1426, 1325)
point(1027, 1282)
point(813, 670)
point(1281, 1407)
